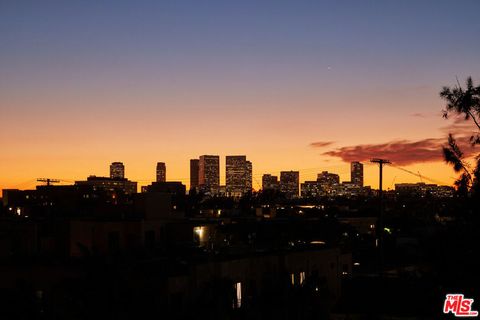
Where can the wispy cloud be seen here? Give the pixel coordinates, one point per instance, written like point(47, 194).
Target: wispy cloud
point(321, 144)
point(418, 115)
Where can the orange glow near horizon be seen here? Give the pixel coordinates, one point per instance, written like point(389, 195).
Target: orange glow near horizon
point(275, 137)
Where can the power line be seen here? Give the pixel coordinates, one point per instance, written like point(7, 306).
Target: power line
point(418, 175)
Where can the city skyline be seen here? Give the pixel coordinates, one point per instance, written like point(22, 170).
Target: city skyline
point(300, 86)
point(117, 169)
point(239, 180)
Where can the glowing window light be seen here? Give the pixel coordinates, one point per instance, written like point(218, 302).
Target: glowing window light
point(198, 231)
point(302, 277)
point(237, 302)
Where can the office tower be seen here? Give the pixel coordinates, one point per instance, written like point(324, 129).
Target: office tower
point(356, 173)
point(193, 173)
point(235, 175)
point(312, 189)
point(269, 182)
point(289, 183)
point(328, 178)
point(248, 178)
point(161, 172)
point(112, 185)
point(117, 170)
point(209, 173)
point(238, 175)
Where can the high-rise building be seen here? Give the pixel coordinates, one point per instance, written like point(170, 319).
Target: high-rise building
point(356, 173)
point(193, 173)
point(209, 173)
point(289, 183)
point(238, 175)
point(117, 170)
point(327, 178)
point(235, 175)
point(161, 172)
point(270, 182)
point(248, 177)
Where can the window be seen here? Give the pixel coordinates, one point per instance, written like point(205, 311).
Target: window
point(302, 277)
point(237, 300)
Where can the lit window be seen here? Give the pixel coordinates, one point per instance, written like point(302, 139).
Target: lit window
point(302, 277)
point(237, 301)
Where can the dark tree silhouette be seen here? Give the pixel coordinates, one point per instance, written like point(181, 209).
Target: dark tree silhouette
point(464, 102)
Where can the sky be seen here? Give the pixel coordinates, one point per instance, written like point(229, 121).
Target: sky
point(294, 85)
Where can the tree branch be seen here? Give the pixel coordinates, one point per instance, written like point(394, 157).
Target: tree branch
point(474, 120)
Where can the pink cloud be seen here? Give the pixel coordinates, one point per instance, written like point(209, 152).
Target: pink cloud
point(405, 152)
point(401, 152)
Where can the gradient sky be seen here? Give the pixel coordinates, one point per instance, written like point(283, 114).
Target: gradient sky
point(85, 83)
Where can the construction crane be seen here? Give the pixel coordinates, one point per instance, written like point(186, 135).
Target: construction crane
point(420, 176)
point(48, 181)
point(393, 181)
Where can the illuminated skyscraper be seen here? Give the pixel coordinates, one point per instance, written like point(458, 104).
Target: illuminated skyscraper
point(248, 178)
point(193, 173)
point(235, 175)
point(209, 173)
point(161, 172)
point(238, 175)
point(356, 173)
point(289, 183)
point(117, 170)
point(270, 182)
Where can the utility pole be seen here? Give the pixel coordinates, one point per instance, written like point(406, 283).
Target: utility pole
point(380, 231)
